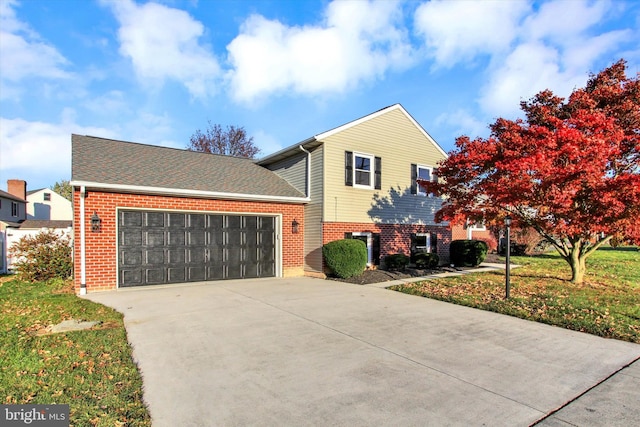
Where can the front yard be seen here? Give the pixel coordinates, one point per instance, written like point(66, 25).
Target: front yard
point(606, 304)
point(91, 370)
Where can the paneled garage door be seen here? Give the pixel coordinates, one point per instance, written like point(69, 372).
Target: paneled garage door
point(173, 247)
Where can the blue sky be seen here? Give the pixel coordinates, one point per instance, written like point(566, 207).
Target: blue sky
point(154, 72)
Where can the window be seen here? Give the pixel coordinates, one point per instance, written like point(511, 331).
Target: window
point(362, 170)
point(422, 242)
point(372, 241)
point(14, 209)
point(420, 172)
point(47, 197)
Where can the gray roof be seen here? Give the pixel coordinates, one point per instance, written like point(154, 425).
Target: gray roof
point(10, 196)
point(41, 223)
point(107, 161)
point(30, 192)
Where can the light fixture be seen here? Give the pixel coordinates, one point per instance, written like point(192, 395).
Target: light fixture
point(96, 222)
point(295, 225)
point(507, 220)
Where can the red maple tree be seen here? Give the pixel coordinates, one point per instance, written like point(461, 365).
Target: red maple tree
point(570, 169)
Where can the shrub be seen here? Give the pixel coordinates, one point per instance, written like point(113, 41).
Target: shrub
point(396, 261)
point(468, 253)
point(346, 258)
point(45, 256)
point(427, 260)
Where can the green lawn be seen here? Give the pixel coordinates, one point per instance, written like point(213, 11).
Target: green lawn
point(606, 304)
point(91, 370)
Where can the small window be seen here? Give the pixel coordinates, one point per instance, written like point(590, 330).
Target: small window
point(367, 238)
point(363, 170)
point(14, 209)
point(423, 173)
point(47, 197)
point(422, 242)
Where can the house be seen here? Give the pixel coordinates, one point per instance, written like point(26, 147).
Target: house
point(13, 211)
point(361, 181)
point(18, 211)
point(46, 204)
point(148, 215)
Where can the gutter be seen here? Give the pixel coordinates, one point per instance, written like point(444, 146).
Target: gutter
point(138, 189)
point(308, 186)
point(83, 253)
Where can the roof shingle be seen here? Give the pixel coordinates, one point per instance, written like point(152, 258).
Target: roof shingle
point(107, 161)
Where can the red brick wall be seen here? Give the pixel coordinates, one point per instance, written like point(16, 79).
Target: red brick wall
point(101, 257)
point(460, 233)
point(394, 238)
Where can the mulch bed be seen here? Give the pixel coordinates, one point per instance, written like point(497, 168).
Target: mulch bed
point(378, 276)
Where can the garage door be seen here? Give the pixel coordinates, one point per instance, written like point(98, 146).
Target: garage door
point(174, 247)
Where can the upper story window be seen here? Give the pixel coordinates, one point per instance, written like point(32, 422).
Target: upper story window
point(14, 209)
point(363, 170)
point(420, 172)
point(47, 197)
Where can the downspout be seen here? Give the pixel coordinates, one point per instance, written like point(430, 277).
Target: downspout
point(83, 261)
point(308, 189)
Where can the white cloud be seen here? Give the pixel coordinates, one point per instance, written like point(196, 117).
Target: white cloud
point(40, 147)
point(458, 31)
point(462, 122)
point(163, 43)
point(555, 51)
point(358, 41)
point(23, 53)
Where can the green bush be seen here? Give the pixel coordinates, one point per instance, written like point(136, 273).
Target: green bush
point(427, 260)
point(468, 253)
point(45, 256)
point(346, 258)
point(396, 261)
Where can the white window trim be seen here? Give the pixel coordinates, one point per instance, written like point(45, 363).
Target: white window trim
point(428, 247)
point(369, 244)
point(372, 176)
point(15, 209)
point(419, 190)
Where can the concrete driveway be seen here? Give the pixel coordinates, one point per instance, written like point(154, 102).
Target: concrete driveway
point(313, 352)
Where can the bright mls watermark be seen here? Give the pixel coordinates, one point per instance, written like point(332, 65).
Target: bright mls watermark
point(34, 415)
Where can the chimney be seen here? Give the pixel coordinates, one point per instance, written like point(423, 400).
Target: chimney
point(17, 187)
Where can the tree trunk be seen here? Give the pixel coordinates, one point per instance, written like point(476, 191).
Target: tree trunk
point(578, 268)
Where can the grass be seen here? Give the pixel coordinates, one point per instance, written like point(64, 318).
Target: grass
point(606, 304)
point(91, 370)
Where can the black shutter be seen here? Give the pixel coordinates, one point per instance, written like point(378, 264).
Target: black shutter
point(412, 248)
point(348, 168)
point(378, 173)
point(414, 176)
point(434, 243)
point(375, 251)
point(348, 235)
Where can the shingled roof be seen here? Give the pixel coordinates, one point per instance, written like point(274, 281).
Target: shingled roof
point(127, 164)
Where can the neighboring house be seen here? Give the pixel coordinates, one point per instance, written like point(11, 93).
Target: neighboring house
point(46, 204)
point(149, 215)
point(13, 211)
point(362, 185)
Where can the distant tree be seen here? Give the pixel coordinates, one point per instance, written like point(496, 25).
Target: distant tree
point(232, 141)
point(63, 188)
point(570, 169)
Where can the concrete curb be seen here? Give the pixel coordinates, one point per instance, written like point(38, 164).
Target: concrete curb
point(483, 268)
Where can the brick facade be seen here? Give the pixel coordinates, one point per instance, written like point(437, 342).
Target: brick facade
point(460, 232)
point(101, 257)
point(394, 238)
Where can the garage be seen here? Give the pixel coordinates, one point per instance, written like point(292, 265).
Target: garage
point(162, 247)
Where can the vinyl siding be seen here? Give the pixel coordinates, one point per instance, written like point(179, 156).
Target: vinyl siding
point(313, 215)
point(394, 138)
point(294, 170)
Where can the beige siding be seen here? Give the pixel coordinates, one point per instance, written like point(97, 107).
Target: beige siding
point(294, 170)
point(394, 138)
point(313, 215)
